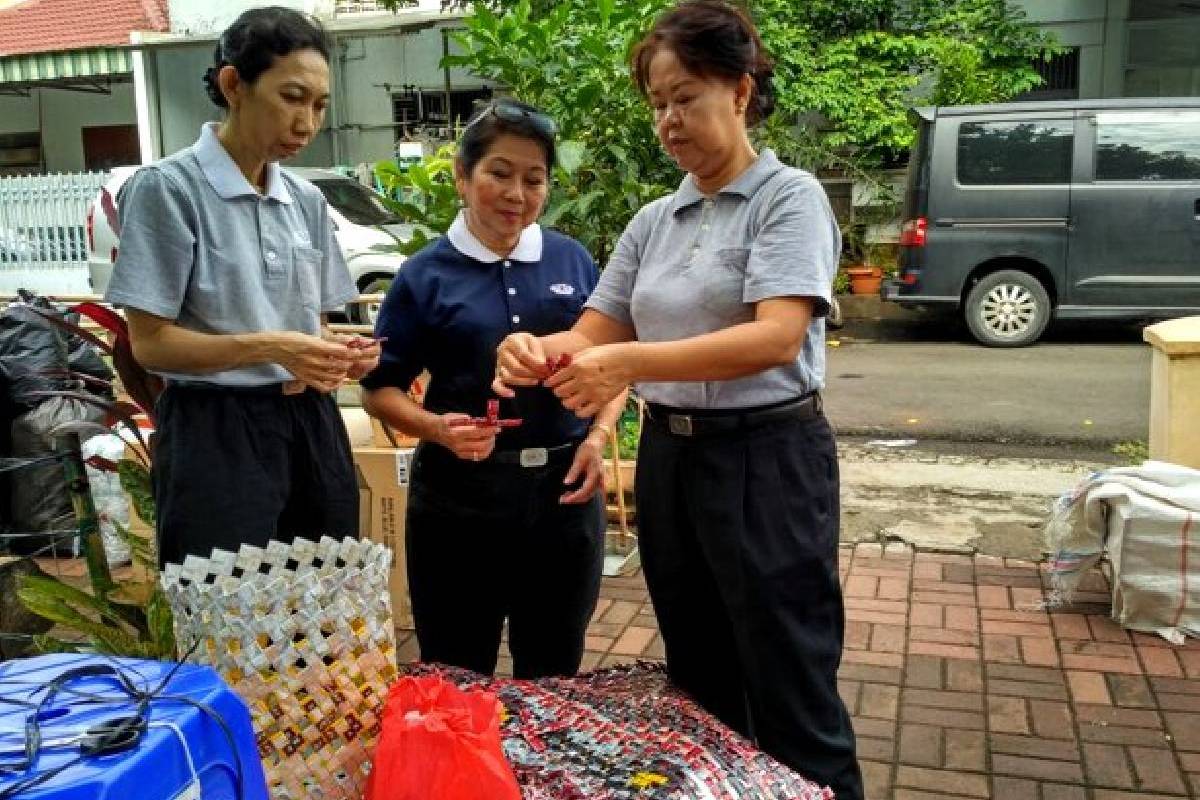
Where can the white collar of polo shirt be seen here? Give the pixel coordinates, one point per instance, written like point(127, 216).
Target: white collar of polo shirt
point(529, 246)
point(224, 175)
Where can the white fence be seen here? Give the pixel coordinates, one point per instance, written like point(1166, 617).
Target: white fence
point(43, 241)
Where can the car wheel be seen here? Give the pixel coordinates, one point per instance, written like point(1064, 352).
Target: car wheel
point(367, 313)
point(834, 320)
point(1008, 308)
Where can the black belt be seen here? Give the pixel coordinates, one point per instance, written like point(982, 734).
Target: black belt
point(699, 422)
point(532, 456)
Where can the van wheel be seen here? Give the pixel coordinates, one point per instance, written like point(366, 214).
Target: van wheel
point(1008, 308)
point(367, 313)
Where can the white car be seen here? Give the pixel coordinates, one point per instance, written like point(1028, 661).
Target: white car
point(366, 230)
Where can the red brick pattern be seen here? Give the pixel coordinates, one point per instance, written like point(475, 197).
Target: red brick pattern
point(961, 686)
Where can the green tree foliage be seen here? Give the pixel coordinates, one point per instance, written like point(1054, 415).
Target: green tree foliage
point(571, 62)
point(860, 66)
point(848, 71)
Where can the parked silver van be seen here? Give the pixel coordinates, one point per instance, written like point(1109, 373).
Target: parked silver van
point(1019, 213)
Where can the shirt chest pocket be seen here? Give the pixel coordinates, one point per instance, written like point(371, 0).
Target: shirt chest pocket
point(724, 282)
point(306, 267)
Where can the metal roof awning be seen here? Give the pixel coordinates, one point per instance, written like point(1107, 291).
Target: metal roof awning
point(91, 70)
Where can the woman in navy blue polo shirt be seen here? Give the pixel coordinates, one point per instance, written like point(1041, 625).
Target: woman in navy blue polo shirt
point(504, 521)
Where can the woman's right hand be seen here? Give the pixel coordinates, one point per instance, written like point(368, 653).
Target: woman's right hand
point(467, 441)
point(313, 361)
point(520, 361)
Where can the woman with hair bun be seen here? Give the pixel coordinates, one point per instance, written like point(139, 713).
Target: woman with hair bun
point(227, 266)
point(713, 305)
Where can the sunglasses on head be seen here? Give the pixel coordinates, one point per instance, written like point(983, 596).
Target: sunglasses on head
point(516, 115)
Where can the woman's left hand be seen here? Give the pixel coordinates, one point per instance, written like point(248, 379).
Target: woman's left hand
point(595, 377)
point(588, 465)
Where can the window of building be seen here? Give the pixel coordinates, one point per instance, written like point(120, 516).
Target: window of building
point(1060, 77)
point(1006, 153)
point(1148, 147)
point(20, 153)
point(421, 108)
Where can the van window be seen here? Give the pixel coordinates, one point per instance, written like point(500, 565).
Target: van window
point(1159, 147)
point(1006, 153)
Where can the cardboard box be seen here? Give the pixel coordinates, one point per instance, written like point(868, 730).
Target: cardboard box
point(383, 474)
point(383, 435)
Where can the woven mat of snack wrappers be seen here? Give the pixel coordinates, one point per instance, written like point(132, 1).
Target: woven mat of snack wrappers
point(623, 732)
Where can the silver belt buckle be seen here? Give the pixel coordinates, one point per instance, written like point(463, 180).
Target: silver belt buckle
point(679, 424)
point(535, 457)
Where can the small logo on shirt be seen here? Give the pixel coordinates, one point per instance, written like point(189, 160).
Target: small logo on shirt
point(563, 289)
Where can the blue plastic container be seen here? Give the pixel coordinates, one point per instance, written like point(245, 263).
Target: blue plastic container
point(156, 768)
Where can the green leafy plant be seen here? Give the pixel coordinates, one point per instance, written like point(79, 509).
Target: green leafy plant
point(1134, 452)
point(126, 619)
point(571, 62)
point(423, 193)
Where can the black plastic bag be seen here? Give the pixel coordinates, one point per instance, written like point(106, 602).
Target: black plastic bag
point(34, 356)
point(40, 500)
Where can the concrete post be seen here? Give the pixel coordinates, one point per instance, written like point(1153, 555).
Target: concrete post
point(1175, 391)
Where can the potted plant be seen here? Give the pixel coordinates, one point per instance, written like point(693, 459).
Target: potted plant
point(865, 278)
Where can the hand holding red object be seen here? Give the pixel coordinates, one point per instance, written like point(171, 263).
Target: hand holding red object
point(359, 342)
point(492, 420)
point(553, 364)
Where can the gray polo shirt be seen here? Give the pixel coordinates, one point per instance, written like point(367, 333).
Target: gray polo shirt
point(200, 246)
point(688, 265)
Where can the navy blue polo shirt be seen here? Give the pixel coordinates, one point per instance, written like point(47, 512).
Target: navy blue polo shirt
point(446, 312)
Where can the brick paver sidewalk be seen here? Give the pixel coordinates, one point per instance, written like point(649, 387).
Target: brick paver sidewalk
point(961, 688)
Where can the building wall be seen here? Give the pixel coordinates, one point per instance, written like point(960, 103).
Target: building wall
point(181, 104)
point(1097, 28)
point(371, 69)
point(1155, 54)
point(64, 114)
point(364, 66)
point(205, 16)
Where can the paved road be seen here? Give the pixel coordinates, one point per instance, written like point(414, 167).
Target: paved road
point(1083, 387)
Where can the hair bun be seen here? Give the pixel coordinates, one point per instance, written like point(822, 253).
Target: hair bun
point(212, 89)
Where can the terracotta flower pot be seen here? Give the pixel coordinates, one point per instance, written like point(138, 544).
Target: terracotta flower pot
point(865, 279)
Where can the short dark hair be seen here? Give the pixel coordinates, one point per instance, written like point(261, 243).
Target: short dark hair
point(256, 38)
point(485, 127)
point(711, 38)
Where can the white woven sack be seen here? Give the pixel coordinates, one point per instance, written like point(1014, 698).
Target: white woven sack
point(304, 634)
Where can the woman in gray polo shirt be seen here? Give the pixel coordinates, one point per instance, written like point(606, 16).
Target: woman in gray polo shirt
point(225, 268)
point(712, 304)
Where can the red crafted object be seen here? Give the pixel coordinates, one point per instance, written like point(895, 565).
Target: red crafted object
point(553, 365)
point(492, 420)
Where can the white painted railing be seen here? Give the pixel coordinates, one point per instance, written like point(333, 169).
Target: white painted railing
point(43, 241)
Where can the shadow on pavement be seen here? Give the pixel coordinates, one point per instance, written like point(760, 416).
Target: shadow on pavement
point(934, 327)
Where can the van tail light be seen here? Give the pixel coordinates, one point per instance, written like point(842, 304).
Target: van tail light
point(912, 234)
point(91, 224)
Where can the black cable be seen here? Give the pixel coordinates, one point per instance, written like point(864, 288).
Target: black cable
point(124, 731)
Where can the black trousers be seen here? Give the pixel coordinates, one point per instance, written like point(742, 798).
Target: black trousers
point(488, 542)
point(738, 534)
point(236, 466)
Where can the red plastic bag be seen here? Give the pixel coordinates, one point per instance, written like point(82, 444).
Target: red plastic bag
point(440, 742)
